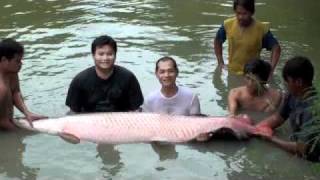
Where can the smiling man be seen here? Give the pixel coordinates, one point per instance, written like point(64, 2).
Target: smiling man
point(171, 99)
point(246, 37)
point(105, 87)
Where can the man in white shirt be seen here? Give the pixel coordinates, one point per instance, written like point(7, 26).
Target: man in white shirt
point(171, 99)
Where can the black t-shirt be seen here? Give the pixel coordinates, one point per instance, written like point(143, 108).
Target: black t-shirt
point(119, 93)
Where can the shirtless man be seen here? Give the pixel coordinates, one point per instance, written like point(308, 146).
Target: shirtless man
point(11, 53)
point(255, 95)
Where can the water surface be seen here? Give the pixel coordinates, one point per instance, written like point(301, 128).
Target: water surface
point(57, 35)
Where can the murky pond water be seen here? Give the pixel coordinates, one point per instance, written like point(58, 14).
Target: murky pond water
point(57, 35)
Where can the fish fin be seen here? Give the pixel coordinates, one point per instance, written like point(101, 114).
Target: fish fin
point(70, 138)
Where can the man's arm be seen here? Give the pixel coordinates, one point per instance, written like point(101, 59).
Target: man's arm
point(134, 94)
point(218, 52)
point(74, 97)
point(275, 56)
point(217, 45)
point(17, 97)
point(292, 147)
point(19, 102)
point(271, 44)
point(195, 106)
point(273, 121)
point(233, 102)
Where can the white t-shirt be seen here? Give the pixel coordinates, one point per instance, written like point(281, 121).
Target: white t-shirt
point(184, 102)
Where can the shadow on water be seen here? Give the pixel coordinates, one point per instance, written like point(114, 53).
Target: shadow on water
point(257, 159)
point(11, 156)
point(165, 151)
point(224, 82)
point(110, 157)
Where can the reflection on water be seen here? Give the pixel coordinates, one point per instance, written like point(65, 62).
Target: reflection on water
point(224, 82)
point(11, 156)
point(165, 151)
point(110, 157)
point(57, 37)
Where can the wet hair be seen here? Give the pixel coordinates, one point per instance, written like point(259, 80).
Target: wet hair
point(167, 58)
point(9, 48)
point(246, 4)
point(104, 40)
point(259, 68)
point(299, 67)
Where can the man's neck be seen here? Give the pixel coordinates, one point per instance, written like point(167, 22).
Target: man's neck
point(4, 74)
point(260, 91)
point(104, 73)
point(244, 26)
point(305, 92)
point(169, 91)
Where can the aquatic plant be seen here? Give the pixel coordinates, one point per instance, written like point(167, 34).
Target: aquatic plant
point(311, 130)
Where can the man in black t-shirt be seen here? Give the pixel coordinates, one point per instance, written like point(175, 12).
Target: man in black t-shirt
point(105, 87)
point(297, 107)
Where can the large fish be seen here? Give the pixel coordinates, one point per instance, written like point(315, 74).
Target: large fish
point(131, 127)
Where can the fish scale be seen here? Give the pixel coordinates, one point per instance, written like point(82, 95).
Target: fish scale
point(135, 127)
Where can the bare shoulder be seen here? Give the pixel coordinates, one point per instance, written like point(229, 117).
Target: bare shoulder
point(275, 94)
point(4, 85)
point(14, 82)
point(238, 94)
point(238, 91)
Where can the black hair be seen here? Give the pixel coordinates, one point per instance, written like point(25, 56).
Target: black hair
point(259, 68)
point(9, 48)
point(299, 67)
point(167, 58)
point(103, 40)
point(246, 4)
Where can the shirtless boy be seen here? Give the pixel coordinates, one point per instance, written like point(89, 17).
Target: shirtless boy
point(255, 95)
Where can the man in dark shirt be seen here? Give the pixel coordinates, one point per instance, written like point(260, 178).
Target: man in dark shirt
point(105, 87)
point(298, 74)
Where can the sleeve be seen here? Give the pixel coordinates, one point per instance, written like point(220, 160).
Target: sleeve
point(74, 96)
point(135, 94)
point(285, 108)
point(195, 106)
point(269, 41)
point(221, 34)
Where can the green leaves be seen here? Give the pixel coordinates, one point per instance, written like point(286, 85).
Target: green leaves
point(310, 131)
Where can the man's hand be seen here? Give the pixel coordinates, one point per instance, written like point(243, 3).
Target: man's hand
point(222, 66)
point(264, 131)
point(33, 117)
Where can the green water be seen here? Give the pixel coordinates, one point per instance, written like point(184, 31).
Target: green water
point(57, 35)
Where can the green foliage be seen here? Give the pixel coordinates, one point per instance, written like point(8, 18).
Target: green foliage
point(311, 130)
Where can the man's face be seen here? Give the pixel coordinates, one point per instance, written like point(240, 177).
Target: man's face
point(104, 57)
point(14, 64)
point(293, 86)
point(166, 73)
point(244, 17)
point(251, 82)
